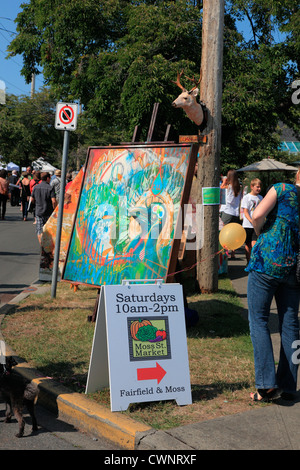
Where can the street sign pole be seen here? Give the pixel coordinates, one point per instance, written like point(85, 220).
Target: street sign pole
point(60, 212)
point(66, 120)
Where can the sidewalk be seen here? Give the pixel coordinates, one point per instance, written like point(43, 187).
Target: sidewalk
point(274, 427)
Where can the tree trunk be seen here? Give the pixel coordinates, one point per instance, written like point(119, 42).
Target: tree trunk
point(208, 174)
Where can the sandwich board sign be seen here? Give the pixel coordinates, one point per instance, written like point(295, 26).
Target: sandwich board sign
point(139, 349)
point(66, 116)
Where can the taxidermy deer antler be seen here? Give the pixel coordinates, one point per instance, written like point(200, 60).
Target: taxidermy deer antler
point(187, 100)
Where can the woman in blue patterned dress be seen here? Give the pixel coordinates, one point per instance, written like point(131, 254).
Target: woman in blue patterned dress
point(272, 273)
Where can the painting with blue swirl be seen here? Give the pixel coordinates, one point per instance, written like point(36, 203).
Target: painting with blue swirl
point(127, 213)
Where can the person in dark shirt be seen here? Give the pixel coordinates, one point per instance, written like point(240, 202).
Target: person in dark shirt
point(4, 188)
point(43, 195)
point(14, 189)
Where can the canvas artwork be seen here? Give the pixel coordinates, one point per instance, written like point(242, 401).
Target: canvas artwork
point(127, 213)
point(49, 231)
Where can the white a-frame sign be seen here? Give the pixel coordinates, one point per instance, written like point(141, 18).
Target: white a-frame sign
point(140, 348)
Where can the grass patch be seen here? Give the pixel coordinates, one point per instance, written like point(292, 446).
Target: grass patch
point(54, 336)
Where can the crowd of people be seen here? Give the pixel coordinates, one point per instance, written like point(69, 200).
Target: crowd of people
point(34, 191)
point(239, 206)
point(272, 246)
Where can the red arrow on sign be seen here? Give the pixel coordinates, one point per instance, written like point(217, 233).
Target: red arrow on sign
point(151, 373)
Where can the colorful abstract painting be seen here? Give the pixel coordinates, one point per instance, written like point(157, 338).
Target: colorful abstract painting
point(127, 213)
point(49, 231)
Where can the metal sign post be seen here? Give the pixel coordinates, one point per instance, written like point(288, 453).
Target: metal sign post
point(66, 119)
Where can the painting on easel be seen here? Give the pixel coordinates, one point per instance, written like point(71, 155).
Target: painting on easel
point(128, 213)
point(49, 231)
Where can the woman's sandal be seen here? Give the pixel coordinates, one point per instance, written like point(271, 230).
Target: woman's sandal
point(265, 396)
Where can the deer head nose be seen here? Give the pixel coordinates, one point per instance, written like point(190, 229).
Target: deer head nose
point(174, 104)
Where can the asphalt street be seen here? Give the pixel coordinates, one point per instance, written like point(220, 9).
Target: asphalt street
point(19, 253)
point(52, 434)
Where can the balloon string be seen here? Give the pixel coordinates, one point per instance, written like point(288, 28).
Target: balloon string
point(205, 259)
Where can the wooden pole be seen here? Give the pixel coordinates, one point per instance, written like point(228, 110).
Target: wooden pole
point(152, 122)
point(208, 174)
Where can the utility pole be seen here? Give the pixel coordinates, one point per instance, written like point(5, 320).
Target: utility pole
point(32, 85)
point(208, 173)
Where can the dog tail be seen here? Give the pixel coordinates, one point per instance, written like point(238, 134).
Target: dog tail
point(31, 392)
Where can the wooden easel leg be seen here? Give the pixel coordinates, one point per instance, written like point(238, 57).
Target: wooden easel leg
point(92, 318)
point(152, 122)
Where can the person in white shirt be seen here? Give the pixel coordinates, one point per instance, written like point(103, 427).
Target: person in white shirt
point(249, 202)
point(231, 210)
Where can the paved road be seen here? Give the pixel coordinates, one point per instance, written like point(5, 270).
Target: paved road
point(19, 267)
point(19, 254)
point(52, 434)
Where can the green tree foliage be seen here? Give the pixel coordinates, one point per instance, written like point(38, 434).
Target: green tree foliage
point(119, 57)
point(27, 129)
point(258, 72)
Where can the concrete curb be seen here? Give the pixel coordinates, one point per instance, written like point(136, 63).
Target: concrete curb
point(75, 408)
point(83, 413)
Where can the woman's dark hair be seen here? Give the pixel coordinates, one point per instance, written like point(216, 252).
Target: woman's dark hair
point(3, 173)
point(232, 178)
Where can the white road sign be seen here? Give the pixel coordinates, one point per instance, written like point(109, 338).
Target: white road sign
point(66, 116)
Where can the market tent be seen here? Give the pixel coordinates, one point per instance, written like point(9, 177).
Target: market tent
point(12, 166)
point(268, 164)
point(41, 165)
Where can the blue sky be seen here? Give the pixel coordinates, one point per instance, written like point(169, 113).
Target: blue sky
point(10, 68)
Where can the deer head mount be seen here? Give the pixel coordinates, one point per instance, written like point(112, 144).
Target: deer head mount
point(187, 100)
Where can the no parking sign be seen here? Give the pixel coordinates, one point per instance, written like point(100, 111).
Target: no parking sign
point(66, 116)
point(65, 120)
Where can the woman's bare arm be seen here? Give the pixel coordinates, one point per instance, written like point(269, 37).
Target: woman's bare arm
point(263, 209)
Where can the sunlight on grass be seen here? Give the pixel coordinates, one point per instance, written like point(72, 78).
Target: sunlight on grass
point(54, 336)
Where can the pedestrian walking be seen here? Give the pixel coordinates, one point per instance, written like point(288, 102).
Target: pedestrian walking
point(55, 183)
point(231, 209)
point(4, 192)
point(43, 196)
point(14, 190)
point(29, 172)
point(249, 203)
point(36, 179)
point(272, 273)
point(25, 194)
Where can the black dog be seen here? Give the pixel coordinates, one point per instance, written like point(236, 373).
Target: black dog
point(17, 392)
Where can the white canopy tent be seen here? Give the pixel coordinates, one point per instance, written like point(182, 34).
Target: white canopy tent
point(41, 165)
point(12, 166)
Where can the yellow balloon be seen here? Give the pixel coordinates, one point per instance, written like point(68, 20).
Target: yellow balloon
point(232, 236)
